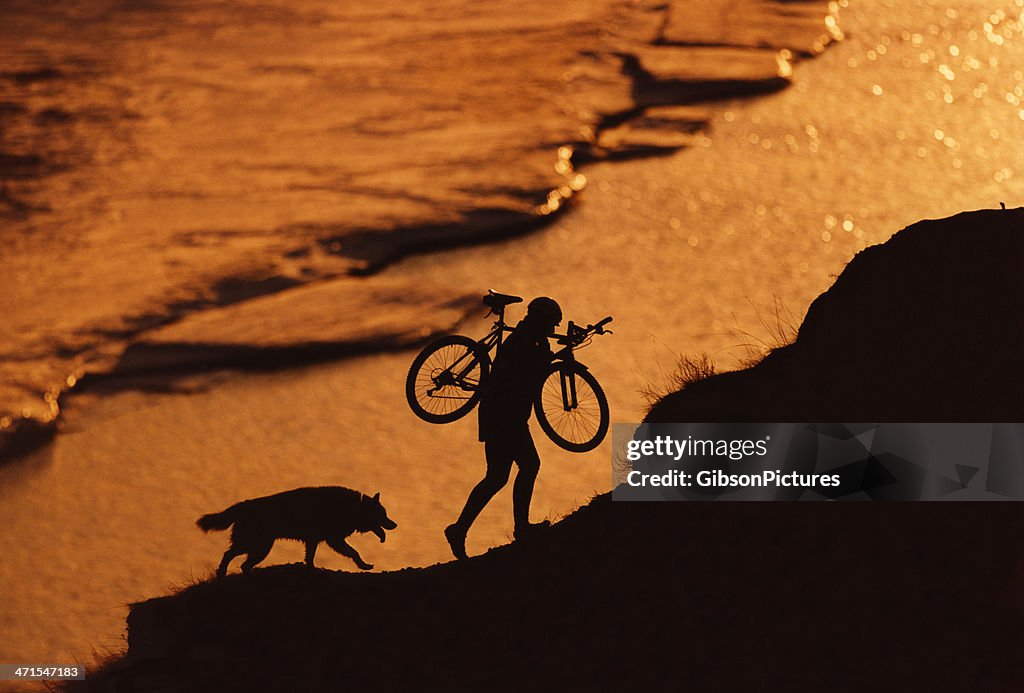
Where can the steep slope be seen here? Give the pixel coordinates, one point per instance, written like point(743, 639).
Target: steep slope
point(701, 596)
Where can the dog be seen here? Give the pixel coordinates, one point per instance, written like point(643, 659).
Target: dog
point(310, 515)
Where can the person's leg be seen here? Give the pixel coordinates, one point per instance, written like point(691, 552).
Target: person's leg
point(499, 466)
point(528, 461)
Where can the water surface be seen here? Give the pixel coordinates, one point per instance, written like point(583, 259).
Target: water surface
point(913, 116)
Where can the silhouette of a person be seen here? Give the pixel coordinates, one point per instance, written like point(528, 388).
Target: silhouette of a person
point(505, 405)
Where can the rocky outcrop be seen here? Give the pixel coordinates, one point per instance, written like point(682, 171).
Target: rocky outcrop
point(925, 327)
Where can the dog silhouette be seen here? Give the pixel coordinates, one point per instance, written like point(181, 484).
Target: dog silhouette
point(309, 515)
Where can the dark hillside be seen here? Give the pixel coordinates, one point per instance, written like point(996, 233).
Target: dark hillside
point(694, 596)
point(925, 327)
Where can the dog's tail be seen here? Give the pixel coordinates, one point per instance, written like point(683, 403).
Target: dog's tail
point(221, 520)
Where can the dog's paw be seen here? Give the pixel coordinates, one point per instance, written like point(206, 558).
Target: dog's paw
point(365, 566)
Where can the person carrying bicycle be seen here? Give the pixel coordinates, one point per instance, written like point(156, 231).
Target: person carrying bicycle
point(506, 402)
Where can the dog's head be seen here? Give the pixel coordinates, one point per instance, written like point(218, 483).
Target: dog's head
point(375, 518)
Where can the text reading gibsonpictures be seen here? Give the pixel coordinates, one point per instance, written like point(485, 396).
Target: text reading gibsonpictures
point(719, 479)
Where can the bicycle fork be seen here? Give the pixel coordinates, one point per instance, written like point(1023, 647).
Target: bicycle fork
point(569, 401)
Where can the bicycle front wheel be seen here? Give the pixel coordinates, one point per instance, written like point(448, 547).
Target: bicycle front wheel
point(571, 407)
point(444, 380)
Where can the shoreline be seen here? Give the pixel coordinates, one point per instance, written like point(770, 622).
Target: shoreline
point(653, 114)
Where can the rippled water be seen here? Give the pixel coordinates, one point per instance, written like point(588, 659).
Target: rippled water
point(164, 156)
point(708, 250)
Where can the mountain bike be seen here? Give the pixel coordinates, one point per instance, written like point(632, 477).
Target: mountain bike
point(445, 381)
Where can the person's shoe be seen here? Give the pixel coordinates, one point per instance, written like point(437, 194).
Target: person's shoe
point(530, 530)
point(457, 540)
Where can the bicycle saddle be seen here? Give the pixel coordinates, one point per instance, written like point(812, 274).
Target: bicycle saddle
point(496, 301)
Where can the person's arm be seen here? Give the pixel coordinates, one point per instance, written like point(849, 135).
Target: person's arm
point(539, 359)
point(526, 357)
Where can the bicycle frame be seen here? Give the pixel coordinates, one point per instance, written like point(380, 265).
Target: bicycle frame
point(574, 338)
point(447, 378)
point(490, 342)
point(493, 340)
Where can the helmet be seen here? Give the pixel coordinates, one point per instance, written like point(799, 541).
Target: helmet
point(544, 309)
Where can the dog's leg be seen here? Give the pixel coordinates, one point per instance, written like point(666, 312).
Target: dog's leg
point(343, 547)
point(256, 555)
point(222, 569)
point(311, 547)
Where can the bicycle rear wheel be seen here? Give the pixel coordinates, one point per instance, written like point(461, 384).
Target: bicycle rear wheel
point(572, 408)
point(444, 380)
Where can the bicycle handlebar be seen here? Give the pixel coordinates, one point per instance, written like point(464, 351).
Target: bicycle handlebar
point(575, 335)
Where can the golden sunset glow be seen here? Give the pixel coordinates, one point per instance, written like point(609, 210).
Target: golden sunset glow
point(228, 229)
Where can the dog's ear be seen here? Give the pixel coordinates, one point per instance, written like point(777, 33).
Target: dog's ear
point(376, 496)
